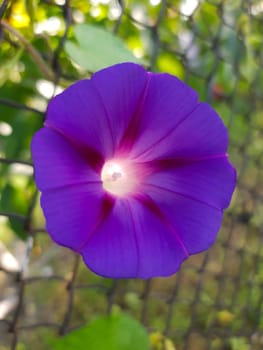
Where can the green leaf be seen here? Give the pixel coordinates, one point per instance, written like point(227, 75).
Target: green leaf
point(97, 48)
point(13, 200)
point(114, 332)
point(239, 343)
point(8, 67)
point(31, 7)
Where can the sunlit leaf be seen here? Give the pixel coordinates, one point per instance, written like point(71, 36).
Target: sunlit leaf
point(97, 48)
point(19, 16)
point(239, 343)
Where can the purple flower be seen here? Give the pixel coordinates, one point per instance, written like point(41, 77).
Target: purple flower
point(133, 171)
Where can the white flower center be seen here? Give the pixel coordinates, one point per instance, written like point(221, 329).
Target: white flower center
point(118, 178)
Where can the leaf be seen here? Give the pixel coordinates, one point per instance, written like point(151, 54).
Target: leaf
point(114, 332)
point(8, 67)
point(239, 343)
point(13, 200)
point(97, 48)
point(31, 7)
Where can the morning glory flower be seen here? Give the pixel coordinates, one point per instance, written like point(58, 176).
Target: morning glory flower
point(133, 172)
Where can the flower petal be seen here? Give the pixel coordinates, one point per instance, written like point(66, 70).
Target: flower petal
point(168, 102)
point(57, 163)
point(72, 213)
point(201, 134)
point(196, 223)
point(133, 242)
point(211, 181)
point(121, 89)
point(79, 115)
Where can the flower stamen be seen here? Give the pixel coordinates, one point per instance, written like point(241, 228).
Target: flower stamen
point(118, 177)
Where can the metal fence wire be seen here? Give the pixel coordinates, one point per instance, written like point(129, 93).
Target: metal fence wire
point(215, 300)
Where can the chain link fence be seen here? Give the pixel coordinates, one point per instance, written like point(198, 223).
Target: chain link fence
point(215, 300)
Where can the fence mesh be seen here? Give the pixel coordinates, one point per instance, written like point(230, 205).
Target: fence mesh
point(215, 300)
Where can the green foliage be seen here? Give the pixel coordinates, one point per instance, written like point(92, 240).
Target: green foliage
point(97, 48)
point(239, 344)
point(114, 332)
point(13, 200)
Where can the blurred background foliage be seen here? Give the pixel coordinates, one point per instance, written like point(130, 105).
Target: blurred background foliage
point(215, 46)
